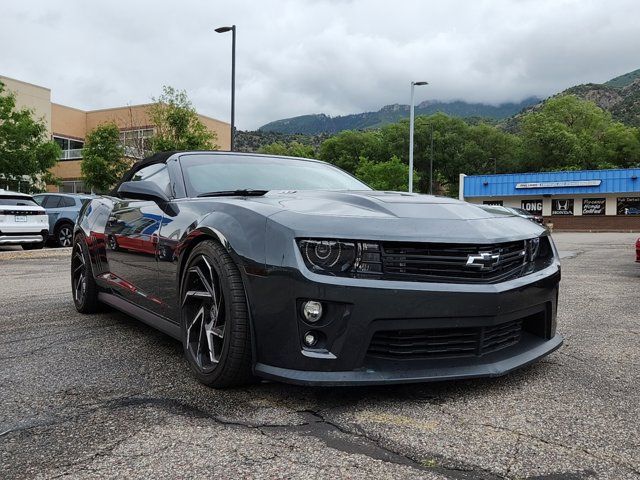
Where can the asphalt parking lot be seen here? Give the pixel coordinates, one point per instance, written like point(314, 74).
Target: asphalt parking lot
point(105, 396)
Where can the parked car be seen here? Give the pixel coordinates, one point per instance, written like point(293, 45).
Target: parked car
point(528, 215)
point(638, 250)
point(62, 209)
point(520, 212)
point(291, 269)
point(22, 221)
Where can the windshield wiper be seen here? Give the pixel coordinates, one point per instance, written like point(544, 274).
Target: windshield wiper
point(232, 193)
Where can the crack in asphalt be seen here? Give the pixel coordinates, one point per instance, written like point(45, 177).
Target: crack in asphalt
point(315, 424)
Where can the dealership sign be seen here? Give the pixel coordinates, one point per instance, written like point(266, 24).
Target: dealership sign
point(562, 206)
point(532, 206)
point(569, 183)
point(593, 206)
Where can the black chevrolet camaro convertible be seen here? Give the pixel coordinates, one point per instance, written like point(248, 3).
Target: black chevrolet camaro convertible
point(293, 270)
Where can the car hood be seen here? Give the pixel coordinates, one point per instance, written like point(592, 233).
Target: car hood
point(393, 216)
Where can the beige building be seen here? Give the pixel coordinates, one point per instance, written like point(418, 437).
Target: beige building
point(69, 126)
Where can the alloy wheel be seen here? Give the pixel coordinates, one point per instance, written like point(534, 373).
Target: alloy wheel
point(204, 312)
point(78, 275)
point(65, 235)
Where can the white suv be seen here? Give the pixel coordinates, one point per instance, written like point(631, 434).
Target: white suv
point(22, 221)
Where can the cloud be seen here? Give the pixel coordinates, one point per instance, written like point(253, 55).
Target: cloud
point(297, 57)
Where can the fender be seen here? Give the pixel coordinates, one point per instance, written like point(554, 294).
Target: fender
point(246, 246)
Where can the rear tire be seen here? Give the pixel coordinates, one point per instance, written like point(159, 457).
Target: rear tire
point(32, 246)
point(63, 235)
point(214, 318)
point(83, 286)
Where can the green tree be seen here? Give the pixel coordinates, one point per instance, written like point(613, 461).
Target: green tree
point(346, 148)
point(291, 149)
point(103, 161)
point(25, 148)
point(568, 132)
point(389, 175)
point(177, 126)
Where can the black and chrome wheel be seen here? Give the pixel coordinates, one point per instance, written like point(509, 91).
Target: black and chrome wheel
point(214, 318)
point(63, 236)
point(83, 285)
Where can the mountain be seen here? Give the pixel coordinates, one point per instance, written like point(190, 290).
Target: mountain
point(623, 80)
point(321, 123)
point(622, 101)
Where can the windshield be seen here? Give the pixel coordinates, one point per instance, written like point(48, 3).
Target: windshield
point(218, 173)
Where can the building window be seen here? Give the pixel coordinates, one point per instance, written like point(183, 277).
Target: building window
point(534, 207)
point(73, 186)
point(71, 149)
point(136, 143)
point(562, 206)
point(594, 206)
point(628, 206)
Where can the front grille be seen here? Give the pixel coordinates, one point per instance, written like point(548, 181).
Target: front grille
point(442, 262)
point(445, 342)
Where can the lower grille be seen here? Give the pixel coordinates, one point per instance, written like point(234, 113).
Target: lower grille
point(445, 342)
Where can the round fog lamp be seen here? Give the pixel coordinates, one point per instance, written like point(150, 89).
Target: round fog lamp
point(312, 311)
point(310, 339)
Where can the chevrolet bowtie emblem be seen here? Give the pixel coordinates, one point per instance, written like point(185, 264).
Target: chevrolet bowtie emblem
point(483, 261)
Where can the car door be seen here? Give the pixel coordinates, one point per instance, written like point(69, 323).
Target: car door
point(132, 237)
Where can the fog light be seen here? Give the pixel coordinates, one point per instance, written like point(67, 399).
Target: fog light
point(310, 339)
point(312, 311)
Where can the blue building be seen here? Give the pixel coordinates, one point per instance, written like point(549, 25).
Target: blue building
point(575, 200)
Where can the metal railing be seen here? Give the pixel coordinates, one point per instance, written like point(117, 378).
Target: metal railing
point(71, 154)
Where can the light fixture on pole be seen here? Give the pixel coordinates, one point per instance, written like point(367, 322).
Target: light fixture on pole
point(232, 29)
point(411, 120)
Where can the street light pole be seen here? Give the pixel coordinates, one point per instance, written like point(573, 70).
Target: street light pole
point(411, 121)
point(431, 164)
point(232, 29)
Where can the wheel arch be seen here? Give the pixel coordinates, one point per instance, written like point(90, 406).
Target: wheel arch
point(62, 221)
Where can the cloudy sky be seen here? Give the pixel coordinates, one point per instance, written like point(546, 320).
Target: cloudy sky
point(323, 56)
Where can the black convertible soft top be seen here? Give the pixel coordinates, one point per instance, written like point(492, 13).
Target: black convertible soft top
point(160, 157)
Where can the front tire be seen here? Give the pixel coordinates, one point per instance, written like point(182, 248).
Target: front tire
point(214, 318)
point(83, 286)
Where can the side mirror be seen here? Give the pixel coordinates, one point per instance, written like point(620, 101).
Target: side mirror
point(143, 190)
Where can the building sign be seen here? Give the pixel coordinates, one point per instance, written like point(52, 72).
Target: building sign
point(493, 202)
point(628, 206)
point(532, 206)
point(562, 206)
point(594, 206)
point(569, 183)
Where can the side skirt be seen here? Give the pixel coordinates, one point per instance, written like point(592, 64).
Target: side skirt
point(141, 314)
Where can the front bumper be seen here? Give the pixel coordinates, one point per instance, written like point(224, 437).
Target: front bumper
point(357, 308)
point(500, 363)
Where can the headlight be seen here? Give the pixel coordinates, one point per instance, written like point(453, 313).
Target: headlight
point(533, 248)
point(332, 256)
point(340, 257)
